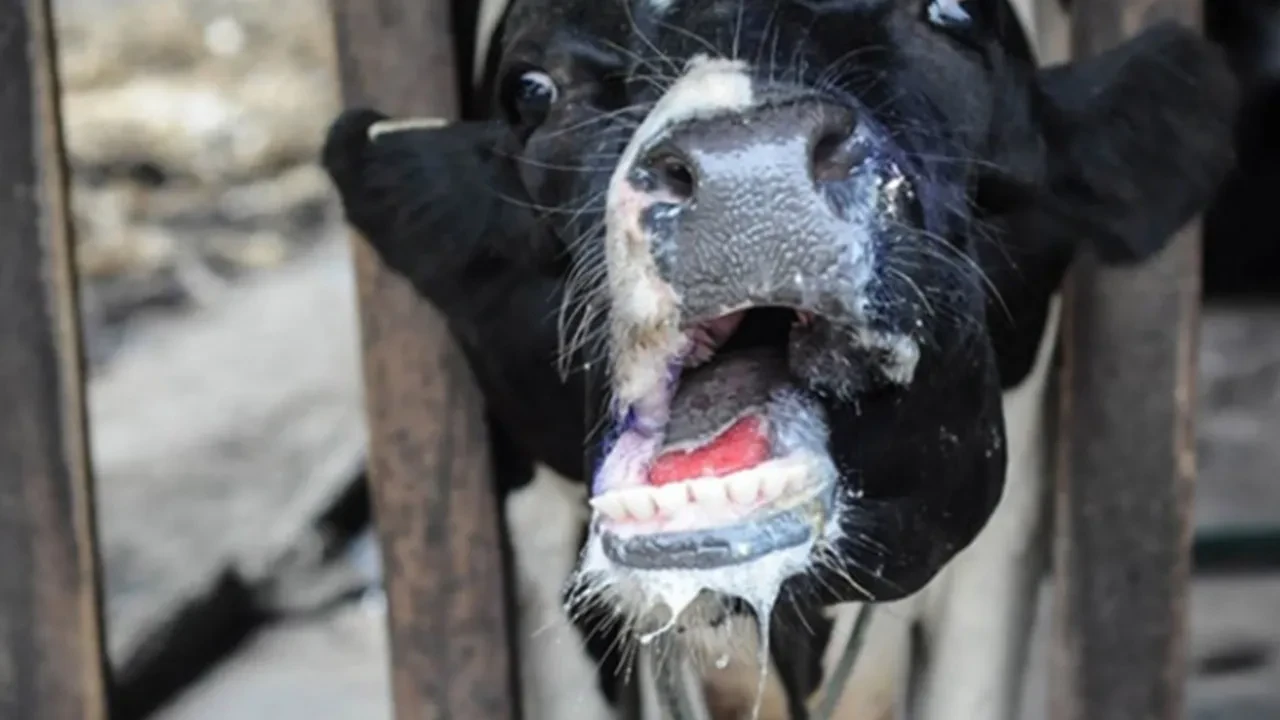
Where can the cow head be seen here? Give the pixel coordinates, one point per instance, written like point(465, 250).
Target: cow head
point(796, 246)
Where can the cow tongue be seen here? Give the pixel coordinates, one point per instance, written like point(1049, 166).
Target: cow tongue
point(717, 424)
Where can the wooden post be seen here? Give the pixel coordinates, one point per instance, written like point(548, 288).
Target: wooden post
point(1127, 456)
point(433, 497)
point(52, 663)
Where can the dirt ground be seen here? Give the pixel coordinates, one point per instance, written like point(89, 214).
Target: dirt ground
point(192, 129)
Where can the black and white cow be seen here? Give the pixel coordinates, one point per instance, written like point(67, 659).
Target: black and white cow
point(767, 289)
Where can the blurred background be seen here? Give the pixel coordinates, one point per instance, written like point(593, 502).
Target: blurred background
point(219, 313)
point(225, 402)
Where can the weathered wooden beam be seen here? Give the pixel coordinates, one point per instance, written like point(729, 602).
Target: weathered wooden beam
point(52, 664)
point(429, 465)
point(1127, 456)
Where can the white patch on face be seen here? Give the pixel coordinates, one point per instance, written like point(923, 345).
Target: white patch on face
point(645, 333)
point(661, 6)
point(902, 354)
point(901, 350)
point(558, 679)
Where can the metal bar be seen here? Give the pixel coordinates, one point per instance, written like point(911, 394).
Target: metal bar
point(1126, 456)
point(433, 496)
point(1237, 549)
point(52, 662)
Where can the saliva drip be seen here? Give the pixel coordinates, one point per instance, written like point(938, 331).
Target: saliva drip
point(650, 636)
point(762, 606)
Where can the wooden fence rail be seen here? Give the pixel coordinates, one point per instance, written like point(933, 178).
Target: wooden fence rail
point(434, 504)
point(1126, 461)
point(51, 650)
point(1126, 455)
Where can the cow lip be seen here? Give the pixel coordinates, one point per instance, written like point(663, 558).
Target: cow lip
point(740, 501)
point(770, 524)
point(736, 544)
point(714, 501)
point(709, 522)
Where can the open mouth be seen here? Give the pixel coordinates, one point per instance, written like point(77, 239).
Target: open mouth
point(726, 461)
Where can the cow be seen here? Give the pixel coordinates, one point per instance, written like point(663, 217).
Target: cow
point(762, 298)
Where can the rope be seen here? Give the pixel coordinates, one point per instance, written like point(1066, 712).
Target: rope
point(840, 674)
point(677, 692)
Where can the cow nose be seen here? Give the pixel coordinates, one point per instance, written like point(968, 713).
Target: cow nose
point(800, 142)
point(779, 205)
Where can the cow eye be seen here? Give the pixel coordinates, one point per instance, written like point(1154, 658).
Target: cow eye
point(528, 95)
point(960, 20)
point(949, 14)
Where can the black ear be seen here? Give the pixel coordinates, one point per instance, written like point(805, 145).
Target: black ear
point(438, 202)
point(1138, 139)
point(444, 206)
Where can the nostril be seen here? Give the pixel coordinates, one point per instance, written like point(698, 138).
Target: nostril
point(676, 175)
point(836, 153)
point(672, 173)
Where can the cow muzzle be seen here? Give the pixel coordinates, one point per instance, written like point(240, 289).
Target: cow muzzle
point(742, 236)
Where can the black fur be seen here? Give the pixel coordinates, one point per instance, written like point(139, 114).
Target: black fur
point(443, 208)
point(1115, 183)
point(1241, 240)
